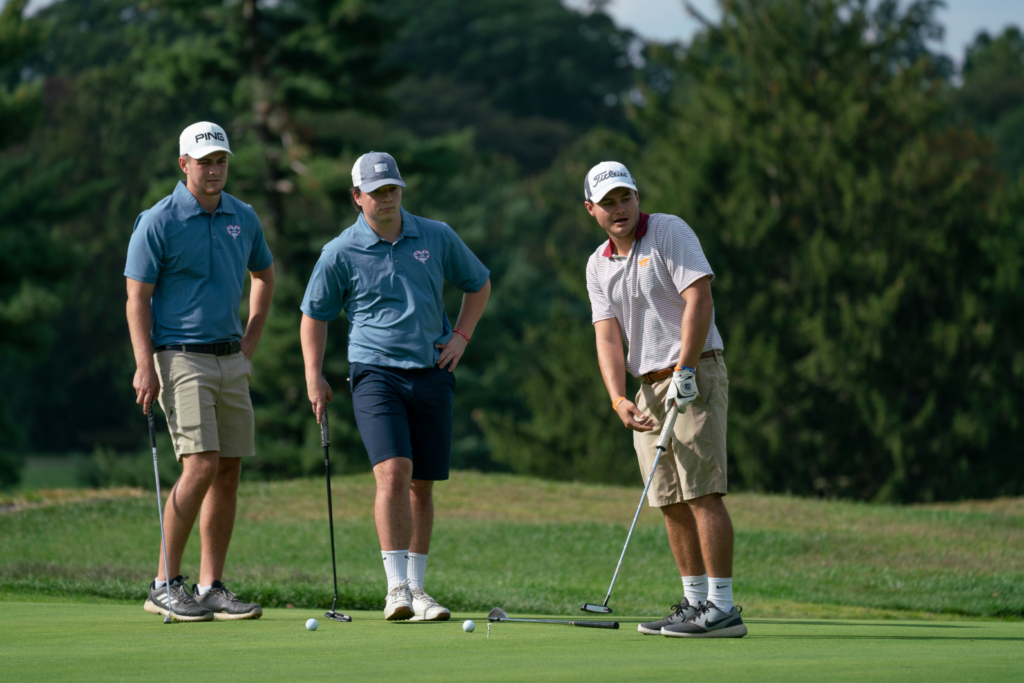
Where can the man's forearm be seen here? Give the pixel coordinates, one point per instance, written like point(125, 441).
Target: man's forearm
point(473, 305)
point(696, 322)
point(313, 334)
point(613, 368)
point(140, 317)
point(261, 294)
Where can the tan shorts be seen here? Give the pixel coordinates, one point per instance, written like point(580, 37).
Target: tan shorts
point(206, 401)
point(694, 465)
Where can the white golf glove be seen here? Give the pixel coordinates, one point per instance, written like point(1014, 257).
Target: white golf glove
point(683, 389)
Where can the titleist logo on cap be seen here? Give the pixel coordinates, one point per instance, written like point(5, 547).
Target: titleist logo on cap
point(606, 175)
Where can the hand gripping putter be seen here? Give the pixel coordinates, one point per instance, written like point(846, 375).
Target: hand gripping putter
point(160, 510)
point(325, 441)
point(666, 436)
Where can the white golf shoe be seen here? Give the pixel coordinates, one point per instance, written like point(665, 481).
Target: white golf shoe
point(398, 605)
point(426, 607)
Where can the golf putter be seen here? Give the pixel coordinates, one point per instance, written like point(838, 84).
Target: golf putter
point(498, 614)
point(160, 510)
point(666, 436)
point(325, 441)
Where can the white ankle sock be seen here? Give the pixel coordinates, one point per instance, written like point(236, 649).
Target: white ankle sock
point(396, 564)
point(203, 590)
point(157, 583)
point(720, 593)
point(695, 589)
point(417, 569)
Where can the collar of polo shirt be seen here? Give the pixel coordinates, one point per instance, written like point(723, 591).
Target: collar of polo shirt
point(641, 230)
point(368, 238)
point(188, 206)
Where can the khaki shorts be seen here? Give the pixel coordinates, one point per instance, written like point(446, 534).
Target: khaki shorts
point(694, 465)
point(206, 401)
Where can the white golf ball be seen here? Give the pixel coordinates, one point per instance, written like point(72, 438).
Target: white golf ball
point(468, 626)
point(311, 624)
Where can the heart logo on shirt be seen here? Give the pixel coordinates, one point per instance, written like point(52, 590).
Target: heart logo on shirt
point(235, 230)
point(422, 255)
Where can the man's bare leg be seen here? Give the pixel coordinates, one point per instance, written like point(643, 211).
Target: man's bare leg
point(198, 473)
point(684, 539)
point(714, 526)
point(421, 499)
point(217, 520)
point(392, 510)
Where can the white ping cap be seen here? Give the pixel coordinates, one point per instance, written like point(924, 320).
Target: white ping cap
point(604, 177)
point(201, 139)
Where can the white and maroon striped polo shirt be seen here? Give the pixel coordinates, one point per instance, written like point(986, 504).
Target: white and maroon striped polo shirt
point(642, 290)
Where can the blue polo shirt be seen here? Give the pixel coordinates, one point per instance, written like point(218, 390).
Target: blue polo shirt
point(197, 260)
point(391, 293)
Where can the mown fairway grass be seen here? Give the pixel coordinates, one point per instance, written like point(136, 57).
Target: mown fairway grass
point(832, 591)
point(537, 546)
point(81, 642)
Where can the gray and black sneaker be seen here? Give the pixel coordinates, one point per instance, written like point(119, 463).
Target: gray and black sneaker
point(710, 622)
point(680, 613)
point(183, 605)
point(225, 605)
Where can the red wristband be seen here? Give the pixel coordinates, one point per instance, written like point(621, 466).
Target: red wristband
point(458, 331)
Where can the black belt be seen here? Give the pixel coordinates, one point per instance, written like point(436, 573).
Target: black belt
point(218, 349)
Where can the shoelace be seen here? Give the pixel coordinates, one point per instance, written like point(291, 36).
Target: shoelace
point(178, 592)
point(423, 597)
point(223, 590)
point(399, 589)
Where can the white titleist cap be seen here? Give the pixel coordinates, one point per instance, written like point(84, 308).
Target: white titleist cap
point(375, 169)
point(201, 139)
point(604, 177)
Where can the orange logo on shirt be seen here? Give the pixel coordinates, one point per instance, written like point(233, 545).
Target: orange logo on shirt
point(644, 262)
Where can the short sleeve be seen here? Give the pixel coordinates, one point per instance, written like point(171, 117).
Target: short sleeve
point(260, 257)
point(145, 251)
point(326, 291)
point(461, 266)
point(600, 306)
point(682, 253)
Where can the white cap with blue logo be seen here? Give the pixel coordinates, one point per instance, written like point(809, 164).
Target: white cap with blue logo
point(604, 177)
point(201, 139)
point(374, 170)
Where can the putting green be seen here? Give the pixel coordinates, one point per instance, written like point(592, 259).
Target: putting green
point(70, 642)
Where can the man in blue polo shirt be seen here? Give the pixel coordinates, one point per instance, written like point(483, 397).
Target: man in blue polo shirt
point(387, 273)
point(186, 272)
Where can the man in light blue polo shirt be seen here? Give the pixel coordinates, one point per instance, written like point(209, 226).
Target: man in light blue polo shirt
point(387, 273)
point(186, 268)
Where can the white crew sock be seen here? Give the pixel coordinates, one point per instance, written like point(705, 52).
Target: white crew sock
point(695, 589)
point(417, 568)
point(720, 593)
point(203, 590)
point(396, 563)
point(158, 584)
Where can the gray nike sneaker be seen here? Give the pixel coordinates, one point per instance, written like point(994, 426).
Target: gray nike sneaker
point(680, 613)
point(710, 622)
point(183, 606)
point(225, 605)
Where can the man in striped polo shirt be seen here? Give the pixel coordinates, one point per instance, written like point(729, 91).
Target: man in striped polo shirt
point(651, 284)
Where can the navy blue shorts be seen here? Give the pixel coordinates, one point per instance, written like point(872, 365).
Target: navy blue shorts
point(405, 414)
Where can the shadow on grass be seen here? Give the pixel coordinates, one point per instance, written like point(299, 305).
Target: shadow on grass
point(882, 637)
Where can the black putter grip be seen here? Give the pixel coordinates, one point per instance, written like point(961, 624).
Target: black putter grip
point(325, 431)
point(596, 624)
point(152, 427)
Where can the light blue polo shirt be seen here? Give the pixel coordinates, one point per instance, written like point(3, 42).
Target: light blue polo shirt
point(197, 260)
point(392, 293)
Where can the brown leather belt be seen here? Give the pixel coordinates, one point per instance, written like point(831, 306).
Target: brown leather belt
point(658, 375)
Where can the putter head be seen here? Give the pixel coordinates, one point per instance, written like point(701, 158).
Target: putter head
point(337, 616)
point(599, 609)
point(167, 618)
point(496, 614)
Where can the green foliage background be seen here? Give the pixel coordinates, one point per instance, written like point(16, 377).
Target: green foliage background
point(859, 198)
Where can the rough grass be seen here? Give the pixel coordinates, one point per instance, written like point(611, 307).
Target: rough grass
point(539, 546)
